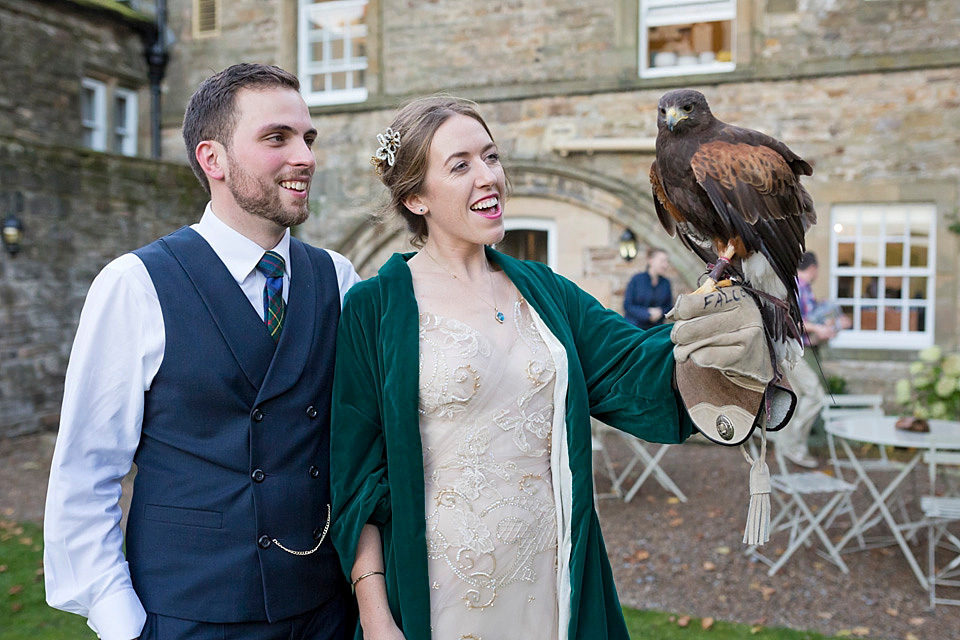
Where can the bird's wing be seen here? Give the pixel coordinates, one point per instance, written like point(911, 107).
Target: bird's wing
point(669, 215)
point(758, 196)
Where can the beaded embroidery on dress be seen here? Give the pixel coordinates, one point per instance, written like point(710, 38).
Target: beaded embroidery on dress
point(486, 415)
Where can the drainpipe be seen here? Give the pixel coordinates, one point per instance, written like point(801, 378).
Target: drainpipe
point(157, 58)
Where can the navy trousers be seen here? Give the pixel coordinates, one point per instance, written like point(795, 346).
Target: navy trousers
point(334, 620)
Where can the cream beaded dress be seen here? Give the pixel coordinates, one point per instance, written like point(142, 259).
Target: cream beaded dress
point(486, 422)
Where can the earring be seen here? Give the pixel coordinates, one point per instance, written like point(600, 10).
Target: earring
point(421, 209)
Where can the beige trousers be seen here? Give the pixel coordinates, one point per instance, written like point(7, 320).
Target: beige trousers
point(810, 398)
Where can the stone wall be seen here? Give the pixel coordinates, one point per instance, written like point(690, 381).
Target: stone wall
point(81, 209)
point(48, 46)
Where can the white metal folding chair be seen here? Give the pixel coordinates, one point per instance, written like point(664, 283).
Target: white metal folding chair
point(649, 463)
point(791, 491)
point(941, 512)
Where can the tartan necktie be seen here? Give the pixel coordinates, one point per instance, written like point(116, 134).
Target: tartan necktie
point(271, 265)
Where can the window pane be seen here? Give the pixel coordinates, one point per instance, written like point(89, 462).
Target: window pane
point(358, 79)
point(845, 254)
point(120, 113)
point(336, 48)
point(87, 99)
point(525, 244)
point(918, 256)
point(868, 288)
point(918, 288)
point(869, 254)
point(870, 222)
point(338, 81)
point(894, 256)
point(893, 288)
point(845, 287)
point(316, 52)
point(892, 319)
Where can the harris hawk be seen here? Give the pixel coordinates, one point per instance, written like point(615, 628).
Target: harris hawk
point(734, 197)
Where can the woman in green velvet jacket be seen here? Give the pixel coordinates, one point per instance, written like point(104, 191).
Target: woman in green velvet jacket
point(440, 163)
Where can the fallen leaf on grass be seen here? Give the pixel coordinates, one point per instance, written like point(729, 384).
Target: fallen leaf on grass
point(16, 606)
point(723, 551)
point(754, 630)
point(824, 615)
point(673, 500)
point(683, 621)
point(892, 612)
point(3, 568)
point(910, 636)
point(706, 623)
point(676, 522)
point(917, 621)
point(15, 589)
point(709, 566)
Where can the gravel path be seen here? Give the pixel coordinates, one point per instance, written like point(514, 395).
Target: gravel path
point(680, 557)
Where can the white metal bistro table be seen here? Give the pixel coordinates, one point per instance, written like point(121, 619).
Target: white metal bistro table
point(881, 430)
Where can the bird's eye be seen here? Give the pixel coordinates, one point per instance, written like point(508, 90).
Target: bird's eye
point(663, 111)
point(687, 108)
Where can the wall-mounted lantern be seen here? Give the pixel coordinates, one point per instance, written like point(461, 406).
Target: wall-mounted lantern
point(628, 245)
point(13, 227)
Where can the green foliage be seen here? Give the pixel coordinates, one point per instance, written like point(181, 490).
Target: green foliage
point(23, 611)
point(836, 385)
point(933, 389)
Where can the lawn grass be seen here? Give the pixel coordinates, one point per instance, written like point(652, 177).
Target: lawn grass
point(24, 615)
point(656, 625)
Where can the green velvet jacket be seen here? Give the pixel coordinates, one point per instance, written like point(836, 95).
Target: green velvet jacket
point(617, 373)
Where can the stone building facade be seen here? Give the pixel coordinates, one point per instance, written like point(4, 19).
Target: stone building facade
point(79, 207)
point(866, 90)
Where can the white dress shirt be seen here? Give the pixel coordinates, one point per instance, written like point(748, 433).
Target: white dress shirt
point(117, 352)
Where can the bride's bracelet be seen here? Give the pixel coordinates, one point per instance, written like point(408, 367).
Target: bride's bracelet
point(353, 585)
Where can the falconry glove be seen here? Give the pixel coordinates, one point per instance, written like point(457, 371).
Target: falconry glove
point(724, 364)
point(723, 371)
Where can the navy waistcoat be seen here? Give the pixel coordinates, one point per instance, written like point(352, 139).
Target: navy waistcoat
point(234, 452)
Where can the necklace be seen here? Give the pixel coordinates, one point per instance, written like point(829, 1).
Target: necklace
point(496, 310)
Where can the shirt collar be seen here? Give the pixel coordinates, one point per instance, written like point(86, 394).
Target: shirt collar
point(239, 253)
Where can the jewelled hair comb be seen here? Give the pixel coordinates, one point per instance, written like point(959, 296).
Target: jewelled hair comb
point(387, 151)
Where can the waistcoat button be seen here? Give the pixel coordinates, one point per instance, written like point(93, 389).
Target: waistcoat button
point(264, 542)
point(311, 412)
point(257, 415)
point(258, 475)
point(314, 471)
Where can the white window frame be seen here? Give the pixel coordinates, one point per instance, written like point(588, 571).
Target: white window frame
point(537, 224)
point(878, 338)
point(310, 14)
point(97, 125)
point(128, 134)
point(660, 13)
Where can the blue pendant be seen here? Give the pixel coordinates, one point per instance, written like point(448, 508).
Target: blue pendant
point(500, 317)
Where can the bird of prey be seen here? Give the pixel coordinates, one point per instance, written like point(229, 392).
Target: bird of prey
point(734, 197)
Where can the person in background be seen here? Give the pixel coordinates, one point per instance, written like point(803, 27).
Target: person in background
point(206, 357)
point(648, 297)
point(464, 388)
point(821, 322)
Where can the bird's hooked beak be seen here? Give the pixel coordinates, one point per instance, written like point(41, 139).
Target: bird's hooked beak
point(673, 117)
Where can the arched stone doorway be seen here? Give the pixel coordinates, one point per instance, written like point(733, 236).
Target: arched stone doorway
point(583, 214)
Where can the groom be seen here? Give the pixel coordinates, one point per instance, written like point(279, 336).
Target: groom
point(206, 357)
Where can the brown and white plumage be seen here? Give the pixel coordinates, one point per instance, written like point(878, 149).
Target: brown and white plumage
point(726, 189)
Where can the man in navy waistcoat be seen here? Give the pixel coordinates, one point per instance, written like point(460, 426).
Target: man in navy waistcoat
point(206, 358)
